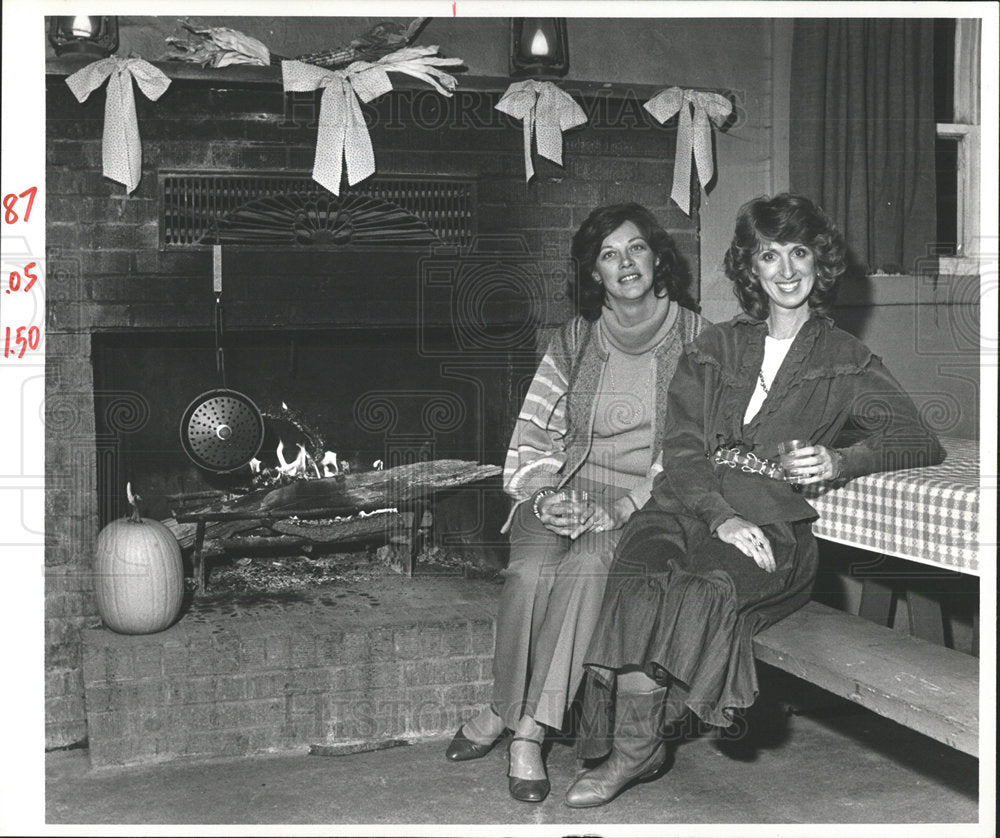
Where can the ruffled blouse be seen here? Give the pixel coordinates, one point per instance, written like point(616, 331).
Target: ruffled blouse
point(828, 381)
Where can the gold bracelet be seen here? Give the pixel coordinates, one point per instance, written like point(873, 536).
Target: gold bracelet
point(541, 493)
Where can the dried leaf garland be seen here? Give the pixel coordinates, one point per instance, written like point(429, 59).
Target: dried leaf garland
point(217, 46)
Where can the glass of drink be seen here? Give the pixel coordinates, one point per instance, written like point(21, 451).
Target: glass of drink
point(581, 504)
point(789, 458)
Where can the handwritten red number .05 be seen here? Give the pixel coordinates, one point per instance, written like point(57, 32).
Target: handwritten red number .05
point(10, 215)
point(14, 279)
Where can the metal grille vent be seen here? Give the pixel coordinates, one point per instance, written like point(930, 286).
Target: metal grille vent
point(196, 205)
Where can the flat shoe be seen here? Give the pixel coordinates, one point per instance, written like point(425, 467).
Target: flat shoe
point(527, 791)
point(462, 748)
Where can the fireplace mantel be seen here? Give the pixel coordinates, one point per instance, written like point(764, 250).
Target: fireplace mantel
point(249, 76)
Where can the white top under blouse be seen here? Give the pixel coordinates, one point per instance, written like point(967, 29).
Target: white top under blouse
point(775, 351)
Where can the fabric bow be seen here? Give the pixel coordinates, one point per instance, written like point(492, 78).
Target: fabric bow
point(343, 134)
point(546, 112)
point(121, 148)
point(693, 135)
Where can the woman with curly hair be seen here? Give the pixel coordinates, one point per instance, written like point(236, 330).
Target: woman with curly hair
point(592, 422)
point(724, 547)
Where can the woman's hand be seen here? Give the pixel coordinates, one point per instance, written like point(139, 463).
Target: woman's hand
point(749, 539)
point(563, 517)
point(606, 517)
point(558, 514)
point(812, 464)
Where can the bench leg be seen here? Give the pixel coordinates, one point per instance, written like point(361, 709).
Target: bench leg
point(926, 619)
point(876, 602)
point(923, 611)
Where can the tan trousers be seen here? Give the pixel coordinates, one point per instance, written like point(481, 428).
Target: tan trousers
point(549, 606)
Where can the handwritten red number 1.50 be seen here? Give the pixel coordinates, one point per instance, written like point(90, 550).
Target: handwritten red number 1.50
point(25, 338)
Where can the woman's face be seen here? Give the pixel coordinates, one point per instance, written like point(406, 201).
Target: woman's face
point(786, 273)
point(625, 264)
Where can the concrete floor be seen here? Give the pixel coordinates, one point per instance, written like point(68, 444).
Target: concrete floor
point(830, 762)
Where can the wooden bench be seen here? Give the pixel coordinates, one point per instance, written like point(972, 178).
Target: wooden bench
point(926, 687)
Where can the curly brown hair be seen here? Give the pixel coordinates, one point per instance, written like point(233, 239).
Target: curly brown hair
point(671, 276)
point(785, 219)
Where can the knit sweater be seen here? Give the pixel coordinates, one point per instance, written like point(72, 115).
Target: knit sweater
point(554, 430)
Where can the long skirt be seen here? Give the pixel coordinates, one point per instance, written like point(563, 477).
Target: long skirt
point(682, 605)
point(551, 597)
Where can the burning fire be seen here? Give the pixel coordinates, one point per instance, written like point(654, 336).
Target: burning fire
point(329, 463)
point(300, 466)
point(303, 467)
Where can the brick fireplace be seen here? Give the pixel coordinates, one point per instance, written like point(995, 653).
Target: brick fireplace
point(130, 317)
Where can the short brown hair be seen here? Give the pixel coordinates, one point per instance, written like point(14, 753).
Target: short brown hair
point(671, 277)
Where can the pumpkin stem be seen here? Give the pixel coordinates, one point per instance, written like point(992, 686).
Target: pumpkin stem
point(134, 503)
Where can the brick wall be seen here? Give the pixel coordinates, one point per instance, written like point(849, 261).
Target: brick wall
point(303, 673)
point(70, 530)
point(107, 273)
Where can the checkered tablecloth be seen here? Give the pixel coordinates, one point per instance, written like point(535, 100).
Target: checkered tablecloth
point(928, 515)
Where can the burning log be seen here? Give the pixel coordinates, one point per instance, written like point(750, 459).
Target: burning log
point(353, 529)
point(346, 494)
point(215, 531)
point(257, 543)
point(350, 494)
point(376, 489)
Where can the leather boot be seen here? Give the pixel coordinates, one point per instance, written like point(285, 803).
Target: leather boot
point(638, 751)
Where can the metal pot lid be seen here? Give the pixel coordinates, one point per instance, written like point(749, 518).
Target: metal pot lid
point(222, 430)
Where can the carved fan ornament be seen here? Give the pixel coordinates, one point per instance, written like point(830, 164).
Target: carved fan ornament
point(314, 218)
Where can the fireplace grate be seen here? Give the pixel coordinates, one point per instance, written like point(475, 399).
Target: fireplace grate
point(202, 208)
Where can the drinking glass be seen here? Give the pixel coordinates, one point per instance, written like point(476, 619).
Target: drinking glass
point(789, 458)
point(581, 502)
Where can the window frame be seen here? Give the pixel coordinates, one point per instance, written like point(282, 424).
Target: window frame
point(965, 129)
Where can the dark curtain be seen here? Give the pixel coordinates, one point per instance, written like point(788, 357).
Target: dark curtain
point(862, 134)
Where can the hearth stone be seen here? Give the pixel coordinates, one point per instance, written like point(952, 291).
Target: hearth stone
point(243, 674)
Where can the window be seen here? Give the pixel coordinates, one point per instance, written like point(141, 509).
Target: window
point(956, 95)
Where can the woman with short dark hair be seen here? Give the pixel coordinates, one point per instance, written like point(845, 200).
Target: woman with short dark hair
point(592, 422)
point(725, 546)
point(670, 277)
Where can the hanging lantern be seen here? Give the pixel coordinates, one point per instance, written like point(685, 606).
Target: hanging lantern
point(83, 35)
point(538, 47)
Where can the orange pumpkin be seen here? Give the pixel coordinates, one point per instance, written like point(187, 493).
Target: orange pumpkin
point(139, 574)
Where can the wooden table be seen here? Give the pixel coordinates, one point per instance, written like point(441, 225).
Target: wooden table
point(929, 516)
point(408, 490)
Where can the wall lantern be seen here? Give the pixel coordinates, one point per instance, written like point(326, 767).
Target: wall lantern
point(83, 35)
point(538, 47)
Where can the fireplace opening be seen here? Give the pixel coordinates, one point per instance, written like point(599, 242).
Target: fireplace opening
point(376, 396)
